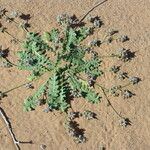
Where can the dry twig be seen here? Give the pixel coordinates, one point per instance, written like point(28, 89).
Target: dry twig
point(8, 124)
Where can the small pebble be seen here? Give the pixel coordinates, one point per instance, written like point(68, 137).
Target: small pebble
point(42, 146)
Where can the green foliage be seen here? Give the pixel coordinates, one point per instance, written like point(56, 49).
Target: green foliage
point(92, 96)
point(57, 94)
point(30, 104)
point(92, 67)
point(32, 101)
point(54, 35)
point(61, 54)
point(73, 37)
point(83, 32)
point(66, 46)
point(33, 57)
point(85, 91)
point(35, 44)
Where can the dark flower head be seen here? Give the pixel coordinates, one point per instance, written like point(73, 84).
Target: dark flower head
point(123, 38)
point(3, 53)
point(127, 94)
point(124, 122)
point(134, 80)
point(2, 12)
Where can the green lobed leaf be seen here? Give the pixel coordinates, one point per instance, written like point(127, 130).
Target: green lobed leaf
point(82, 33)
point(57, 93)
point(54, 35)
point(32, 101)
point(92, 97)
point(92, 67)
point(29, 104)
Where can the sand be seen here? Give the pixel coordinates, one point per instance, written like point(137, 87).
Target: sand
point(129, 17)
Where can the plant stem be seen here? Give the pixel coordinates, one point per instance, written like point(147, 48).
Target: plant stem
point(105, 37)
point(16, 87)
point(16, 23)
point(107, 56)
point(95, 83)
point(10, 62)
point(89, 11)
point(103, 41)
point(25, 29)
point(109, 103)
point(12, 36)
point(124, 86)
point(107, 90)
point(10, 19)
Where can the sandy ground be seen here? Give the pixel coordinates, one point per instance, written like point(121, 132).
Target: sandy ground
point(129, 17)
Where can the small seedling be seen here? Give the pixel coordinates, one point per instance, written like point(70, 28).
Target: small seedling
point(7, 18)
point(46, 110)
point(97, 23)
point(91, 80)
point(4, 61)
point(14, 41)
point(109, 40)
